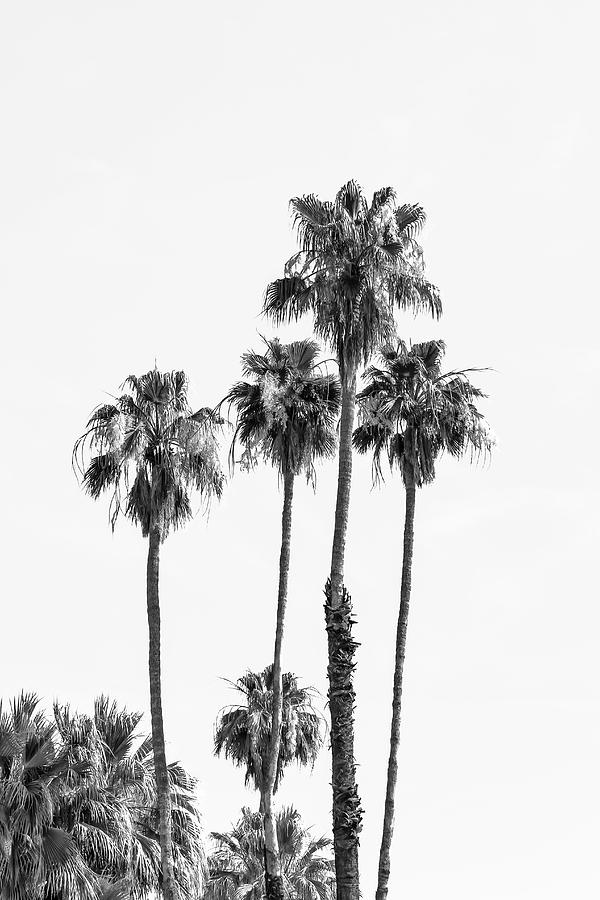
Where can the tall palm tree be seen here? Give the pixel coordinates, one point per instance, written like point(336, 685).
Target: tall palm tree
point(236, 865)
point(411, 413)
point(151, 451)
point(357, 262)
point(243, 730)
point(286, 414)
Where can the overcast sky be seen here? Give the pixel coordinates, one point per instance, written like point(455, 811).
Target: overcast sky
point(148, 153)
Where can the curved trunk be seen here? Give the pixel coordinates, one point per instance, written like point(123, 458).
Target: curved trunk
point(273, 877)
point(347, 813)
point(392, 772)
point(158, 737)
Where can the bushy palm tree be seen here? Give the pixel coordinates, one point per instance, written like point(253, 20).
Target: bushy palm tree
point(37, 858)
point(243, 730)
point(78, 808)
point(357, 262)
point(286, 414)
point(410, 413)
point(150, 450)
point(236, 870)
point(121, 774)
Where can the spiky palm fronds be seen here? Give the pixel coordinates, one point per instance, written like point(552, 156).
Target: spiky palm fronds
point(151, 451)
point(410, 412)
point(287, 411)
point(38, 857)
point(357, 262)
point(78, 809)
point(236, 867)
point(243, 732)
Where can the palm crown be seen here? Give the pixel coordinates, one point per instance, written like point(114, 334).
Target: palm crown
point(287, 412)
point(237, 864)
point(410, 412)
point(357, 261)
point(243, 732)
point(151, 447)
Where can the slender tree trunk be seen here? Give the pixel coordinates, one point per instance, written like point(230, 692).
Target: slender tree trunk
point(347, 814)
point(392, 772)
point(273, 877)
point(169, 888)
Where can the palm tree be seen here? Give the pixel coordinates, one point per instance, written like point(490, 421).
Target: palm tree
point(152, 449)
point(411, 413)
point(78, 807)
point(113, 811)
point(286, 414)
point(357, 262)
point(38, 859)
point(243, 731)
point(236, 866)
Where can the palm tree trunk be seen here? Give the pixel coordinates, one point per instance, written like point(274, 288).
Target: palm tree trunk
point(392, 772)
point(273, 877)
point(347, 813)
point(163, 790)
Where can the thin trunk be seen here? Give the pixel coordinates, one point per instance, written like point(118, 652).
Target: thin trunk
point(273, 877)
point(392, 772)
point(169, 888)
point(347, 813)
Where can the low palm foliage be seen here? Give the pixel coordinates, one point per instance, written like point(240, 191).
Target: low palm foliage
point(78, 807)
point(236, 866)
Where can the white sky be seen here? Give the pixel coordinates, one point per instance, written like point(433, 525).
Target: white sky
point(148, 152)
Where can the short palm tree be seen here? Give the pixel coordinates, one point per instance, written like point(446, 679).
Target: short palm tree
point(357, 262)
point(38, 858)
point(78, 808)
point(286, 414)
point(113, 811)
point(236, 870)
point(411, 413)
point(243, 730)
point(150, 450)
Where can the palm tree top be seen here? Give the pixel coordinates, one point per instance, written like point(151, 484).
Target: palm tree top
point(151, 450)
point(411, 412)
point(287, 410)
point(357, 262)
point(236, 865)
point(243, 731)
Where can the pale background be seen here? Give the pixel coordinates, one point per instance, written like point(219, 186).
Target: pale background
point(147, 156)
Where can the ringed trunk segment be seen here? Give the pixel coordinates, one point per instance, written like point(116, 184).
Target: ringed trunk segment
point(392, 771)
point(273, 878)
point(347, 812)
point(163, 787)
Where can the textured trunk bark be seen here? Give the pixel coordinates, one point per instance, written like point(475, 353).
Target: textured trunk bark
point(392, 772)
point(273, 877)
point(347, 813)
point(169, 888)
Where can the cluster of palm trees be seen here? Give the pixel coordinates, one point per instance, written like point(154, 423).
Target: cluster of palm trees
point(79, 811)
point(357, 262)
